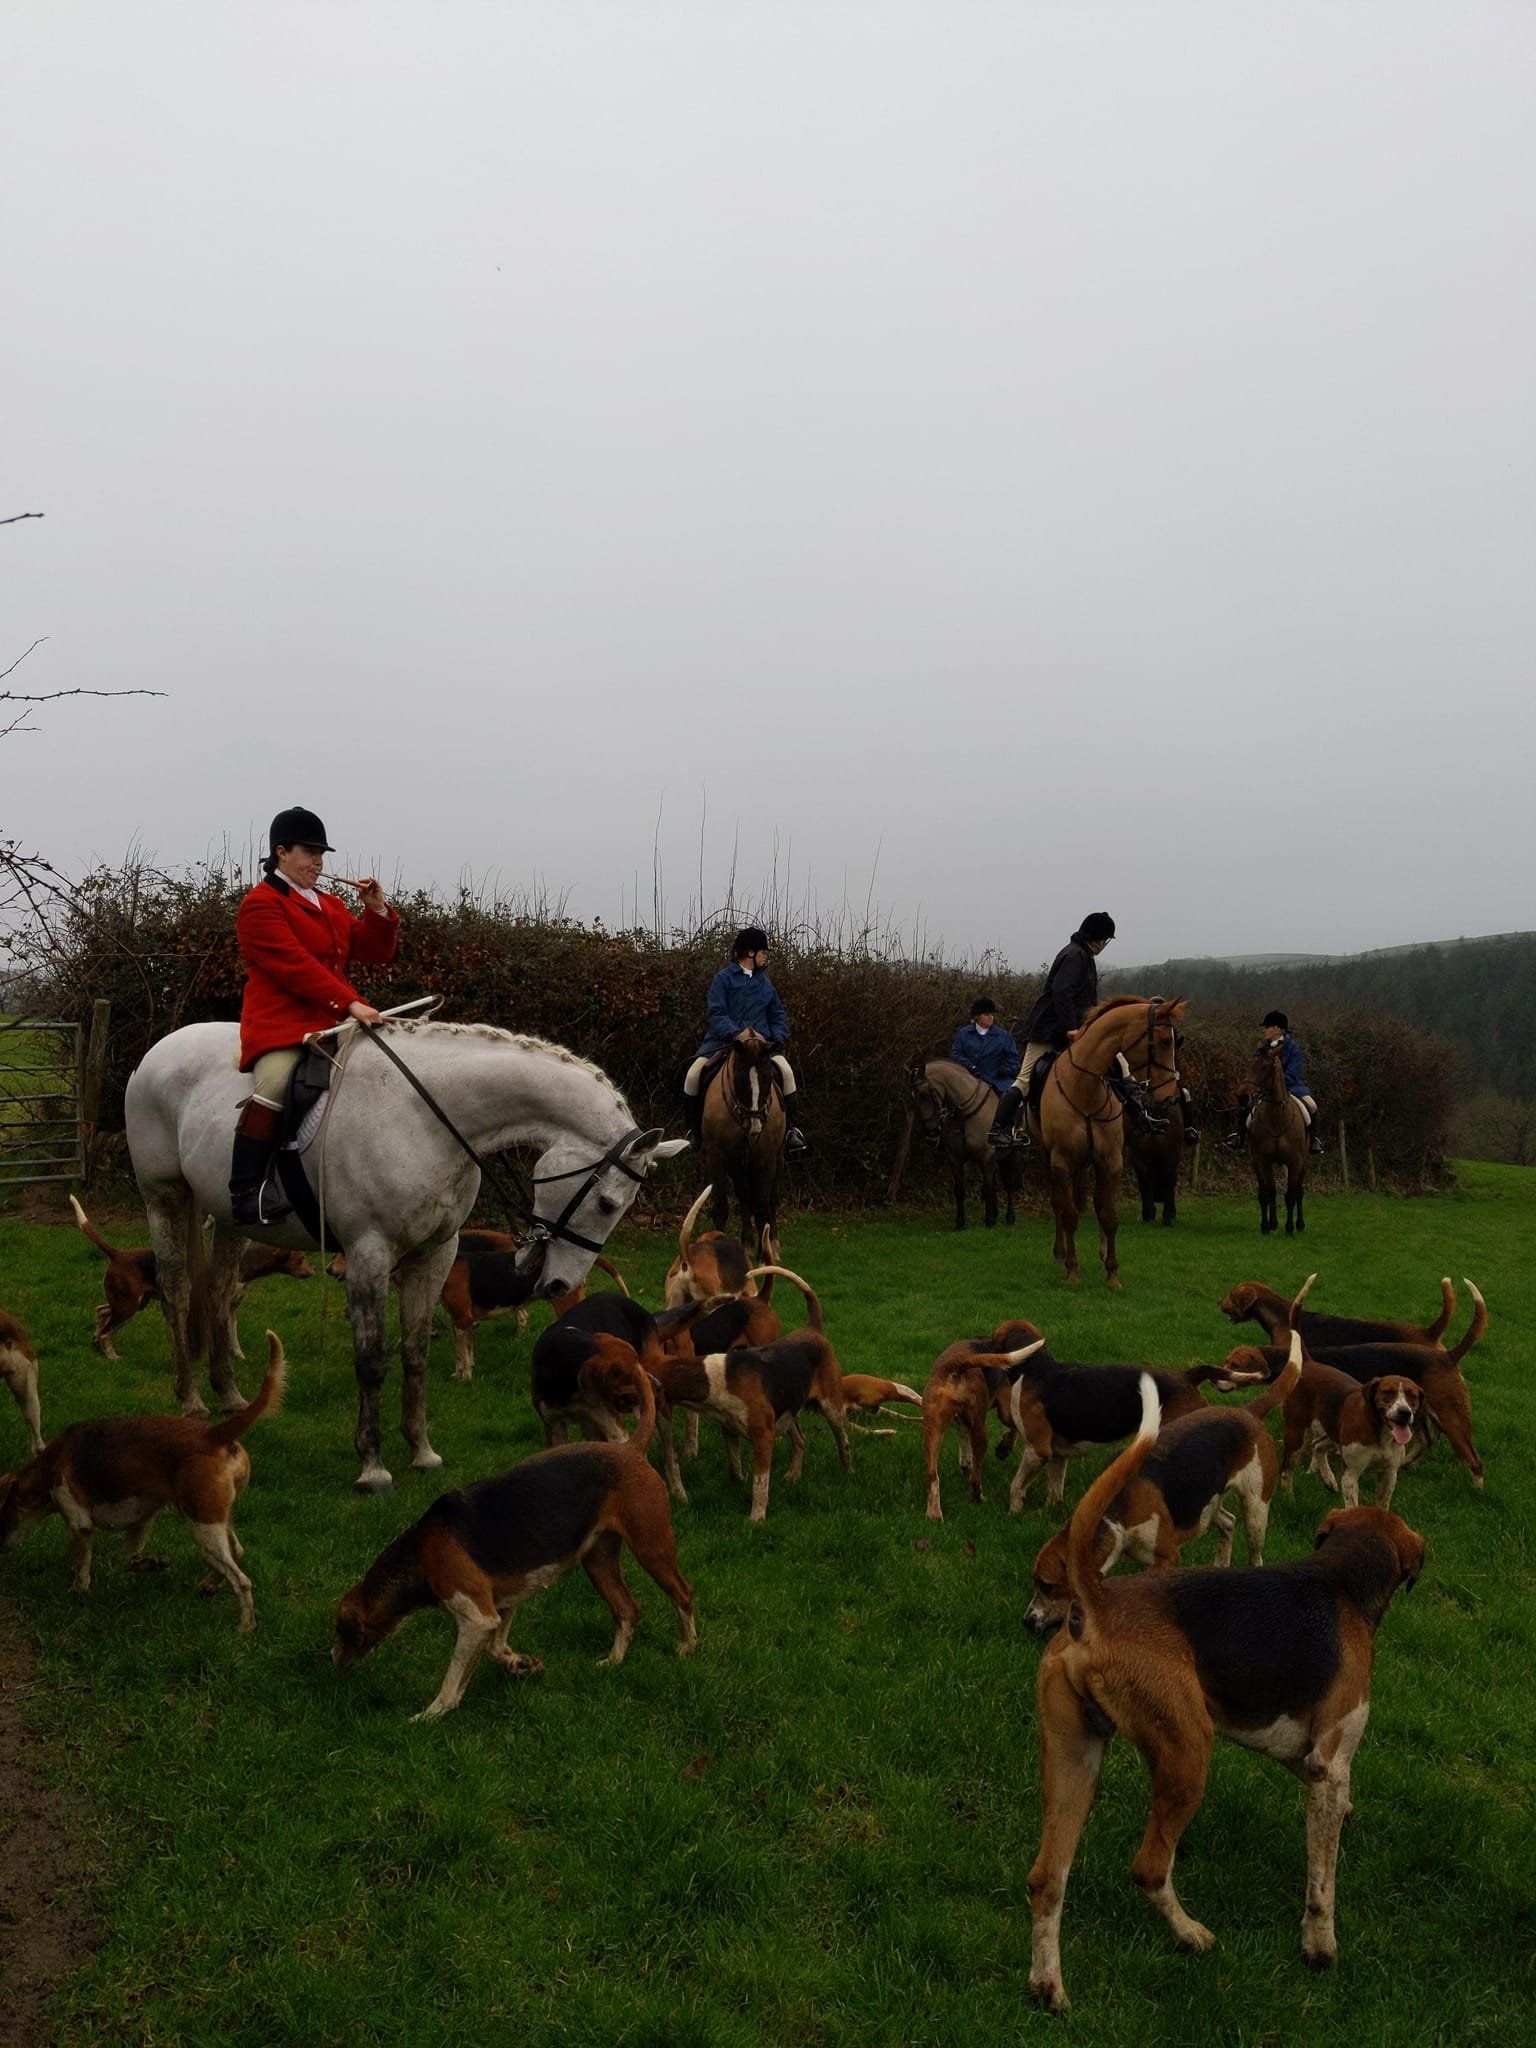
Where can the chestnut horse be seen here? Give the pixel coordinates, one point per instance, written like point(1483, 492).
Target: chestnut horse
point(956, 1110)
point(1156, 1155)
point(1078, 1123)
point(1277, 1135)
point(742, 1135)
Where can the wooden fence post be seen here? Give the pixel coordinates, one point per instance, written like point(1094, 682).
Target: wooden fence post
point(1370, 1167)
point(1194, 1167)
point(1343, 1156)
point(92, 1080)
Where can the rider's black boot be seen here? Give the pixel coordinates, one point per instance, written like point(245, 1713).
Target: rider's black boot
point(1237, 1137)
point(255, 1142)
point(1131, 1094)
point(693, 1118)
point(1005, 1130)
point(1191, 1128)
point(796, 1143)
point(1315, 1143)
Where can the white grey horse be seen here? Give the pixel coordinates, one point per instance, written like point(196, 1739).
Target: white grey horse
point(394, 1185)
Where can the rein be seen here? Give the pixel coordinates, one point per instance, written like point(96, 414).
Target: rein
point(517, 1199)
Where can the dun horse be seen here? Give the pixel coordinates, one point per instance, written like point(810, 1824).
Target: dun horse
point(1277, 1136)
point(956, 1110)
point(1157, 1155)
point(395, 1186)
point(1078, 1123)
point(742, 1136)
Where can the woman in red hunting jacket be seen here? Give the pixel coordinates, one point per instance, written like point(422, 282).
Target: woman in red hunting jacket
point(297, 945)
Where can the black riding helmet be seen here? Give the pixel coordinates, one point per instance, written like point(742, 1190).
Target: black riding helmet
point(297, 827)
point(1098, 924)
point(1277, 1017)
point(984, 1006)
point(750, 939)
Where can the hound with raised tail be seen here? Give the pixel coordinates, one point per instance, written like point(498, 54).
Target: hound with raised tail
point(1251, 1302)
point(758, 1392)
point(479, 1552)
point(1277, 1659)
point(968, 1380)
point(119, 1474)
point(712, 1264)
point(18, 1368)
point(1176, 1496)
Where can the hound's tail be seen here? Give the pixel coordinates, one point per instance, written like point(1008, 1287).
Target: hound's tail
point(685, 1235)
point(100, 1243)
point(1082, 1572)
point(268, 1397)
point(613, 1272)
point(1442, 1322)
point(1272, 1396)
point(1295, 1309)
point(812, 1305)
point(1479, 1324)
point(768, 1252)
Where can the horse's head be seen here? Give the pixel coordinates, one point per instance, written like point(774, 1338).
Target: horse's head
point(580, 1194)
point(752, 1077)
point(1263, 1069)
point(927, 1103)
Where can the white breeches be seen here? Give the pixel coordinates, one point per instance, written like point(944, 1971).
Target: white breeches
point(786, 1074)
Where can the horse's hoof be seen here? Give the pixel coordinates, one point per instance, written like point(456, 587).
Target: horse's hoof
point(374, 1479)
point(425, 1460)
point(233, 1402)
point(195, 1408)
point(1115, 1284)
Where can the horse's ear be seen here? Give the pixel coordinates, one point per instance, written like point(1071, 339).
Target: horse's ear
point(1171, 1011)
point(655, 1146)
point(640, 1141)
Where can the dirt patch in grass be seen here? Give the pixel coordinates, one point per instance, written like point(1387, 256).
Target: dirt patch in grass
point(46, 1927)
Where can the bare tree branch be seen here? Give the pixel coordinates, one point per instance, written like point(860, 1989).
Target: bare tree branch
point(15, 516)
point(16, 664)
point(53, 696)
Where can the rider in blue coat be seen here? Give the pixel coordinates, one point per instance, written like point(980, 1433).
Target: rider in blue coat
point(742, 998)
point(985, 1049)
point(1277, 1033)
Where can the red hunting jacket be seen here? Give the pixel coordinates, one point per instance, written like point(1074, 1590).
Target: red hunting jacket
point(295, 963)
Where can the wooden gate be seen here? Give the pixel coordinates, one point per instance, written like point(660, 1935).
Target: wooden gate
point(41, 1079)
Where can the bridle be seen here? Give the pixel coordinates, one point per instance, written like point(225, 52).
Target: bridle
point(946, 1110)
point(749, 1117)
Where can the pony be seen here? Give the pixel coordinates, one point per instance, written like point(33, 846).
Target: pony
point(742, 1136)
point(1277, 1135)
point(956, 1110)
point(394, 1186)
point(1156, 1155)
point(1078, 1123)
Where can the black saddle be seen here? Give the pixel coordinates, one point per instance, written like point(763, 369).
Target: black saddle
point(1037, 1076)
point(310, 1079)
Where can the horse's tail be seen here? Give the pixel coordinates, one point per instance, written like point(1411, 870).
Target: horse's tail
point(613, 1272)
point(1479, 1325)
point(1272, 1396)
point(1082, 1572)
point(269, 1396)
point(101, 1244)
point(812, 1305)
point(1442, 1322)
point(685, 1235)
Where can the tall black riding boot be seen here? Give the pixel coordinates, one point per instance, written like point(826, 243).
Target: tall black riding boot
point(1005, 1130)
point(255, 1142)
point(1315, 1143)
point(1191, 1127)
point(1131, 1095)
point(796, 1143)
point(693, 1118)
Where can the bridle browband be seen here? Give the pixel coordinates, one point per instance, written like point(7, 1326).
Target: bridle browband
point(517, 1199)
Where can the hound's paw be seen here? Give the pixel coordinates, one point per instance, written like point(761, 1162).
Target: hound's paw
point(1049, 1991)
point(157, 1564)
point(519, 1665)
point(1194, 1936)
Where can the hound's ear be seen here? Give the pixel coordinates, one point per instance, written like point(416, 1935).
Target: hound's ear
point(1411, 1557)
point(1369, 1391)
point(1325, 1527)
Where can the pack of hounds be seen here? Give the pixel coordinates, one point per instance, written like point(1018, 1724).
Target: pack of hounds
point(1275, 1657)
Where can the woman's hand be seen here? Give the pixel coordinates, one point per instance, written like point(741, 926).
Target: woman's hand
point(365, 1013)
point(372, 892)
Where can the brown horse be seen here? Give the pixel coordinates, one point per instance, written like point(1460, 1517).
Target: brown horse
point(956, 1110)
point(1078, 1123)
point(1157, 1155)
point(1277, 1135)
point(742, 1135)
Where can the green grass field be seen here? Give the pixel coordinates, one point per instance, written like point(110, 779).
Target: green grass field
point(817, 1829)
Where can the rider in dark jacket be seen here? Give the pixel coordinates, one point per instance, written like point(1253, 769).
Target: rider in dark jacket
point(1070, 992)
point(742, 998)
point(984, 1048)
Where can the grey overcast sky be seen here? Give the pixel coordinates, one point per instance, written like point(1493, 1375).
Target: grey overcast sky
point(1017, 458)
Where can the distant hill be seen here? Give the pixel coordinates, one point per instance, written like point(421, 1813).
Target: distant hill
point(1479, 994)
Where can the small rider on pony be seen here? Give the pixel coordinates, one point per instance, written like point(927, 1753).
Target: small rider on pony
point(742, 999)
point(985, 1049)
point(1277, 1036)
point(297, 943)
point(1071, 991)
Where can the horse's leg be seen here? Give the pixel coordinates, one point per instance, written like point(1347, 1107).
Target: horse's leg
point(1301, 1181)
point(1104, 1193)
point(989, 1187)
point(1171, 1162)
point(222, 1273)
point(1143, 1171)
point(175, 1231)
point(1063, 1202)
point(421, 1288)
point(1265, 1174)
point(1010, 1172)
point(368, 1266)
point(957, 1174)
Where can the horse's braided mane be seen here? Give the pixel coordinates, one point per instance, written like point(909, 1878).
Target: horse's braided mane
point(431, 1027)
